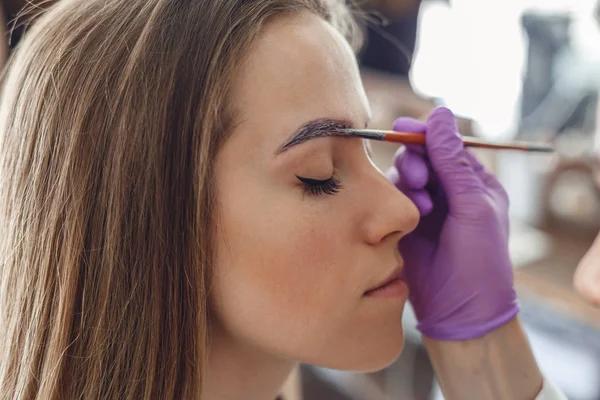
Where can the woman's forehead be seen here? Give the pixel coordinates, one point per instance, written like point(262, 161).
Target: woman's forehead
point(298, 70)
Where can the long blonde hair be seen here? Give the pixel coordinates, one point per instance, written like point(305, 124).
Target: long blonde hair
point(111, 115)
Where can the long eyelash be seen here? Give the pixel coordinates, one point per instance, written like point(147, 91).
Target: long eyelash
point(316, 187)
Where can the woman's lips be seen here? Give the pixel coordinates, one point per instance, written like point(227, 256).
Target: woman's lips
point(392, 286)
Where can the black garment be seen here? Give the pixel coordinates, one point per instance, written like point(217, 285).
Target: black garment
point(380, 51)
point(12, 39)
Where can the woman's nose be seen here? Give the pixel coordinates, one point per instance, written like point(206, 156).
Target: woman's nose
point(390, 212)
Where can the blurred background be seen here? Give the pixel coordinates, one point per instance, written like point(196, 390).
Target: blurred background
point(526, 69)
point(510, 69)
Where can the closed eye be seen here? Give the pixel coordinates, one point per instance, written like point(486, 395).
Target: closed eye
point(317, 187)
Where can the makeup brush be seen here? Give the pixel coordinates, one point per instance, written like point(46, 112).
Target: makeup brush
point(419, 139)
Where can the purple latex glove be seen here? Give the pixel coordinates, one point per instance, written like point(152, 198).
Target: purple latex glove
point(457, 264)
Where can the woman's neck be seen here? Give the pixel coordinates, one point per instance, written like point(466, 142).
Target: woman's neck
point(237, 370)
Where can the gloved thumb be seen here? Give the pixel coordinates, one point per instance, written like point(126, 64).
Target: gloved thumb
point(448, 156)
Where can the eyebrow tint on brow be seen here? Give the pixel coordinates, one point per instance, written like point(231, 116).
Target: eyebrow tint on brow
point(315, 129)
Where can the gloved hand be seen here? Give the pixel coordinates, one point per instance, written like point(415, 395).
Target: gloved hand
point(457, 265)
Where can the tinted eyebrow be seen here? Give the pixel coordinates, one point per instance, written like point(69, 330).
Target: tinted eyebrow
point(315, 129)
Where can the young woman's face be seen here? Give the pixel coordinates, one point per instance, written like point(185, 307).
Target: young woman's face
point(296, 257)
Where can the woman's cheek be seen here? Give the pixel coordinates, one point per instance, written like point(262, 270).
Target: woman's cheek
point(280, 269)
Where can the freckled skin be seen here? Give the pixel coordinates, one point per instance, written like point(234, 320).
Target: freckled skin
point(292, 268)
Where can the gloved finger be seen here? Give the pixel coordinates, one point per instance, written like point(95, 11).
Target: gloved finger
point(426, 178)
point(393, 176)
point(422, 199)
point(412, 168)
point(417, 149)
point(487, 178)
point(413, 148)
point(404, 124)
point(420, 196)
point(477, 166)
point(448, 157)
point(494, 189)
point(410, 125)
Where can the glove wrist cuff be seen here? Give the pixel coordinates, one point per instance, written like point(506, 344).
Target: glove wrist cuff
point(462, 332)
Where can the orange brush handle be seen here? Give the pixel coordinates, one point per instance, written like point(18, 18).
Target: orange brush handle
point(419, 139)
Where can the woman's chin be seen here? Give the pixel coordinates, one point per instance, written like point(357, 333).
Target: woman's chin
point(380, 360)
point(366, 357)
